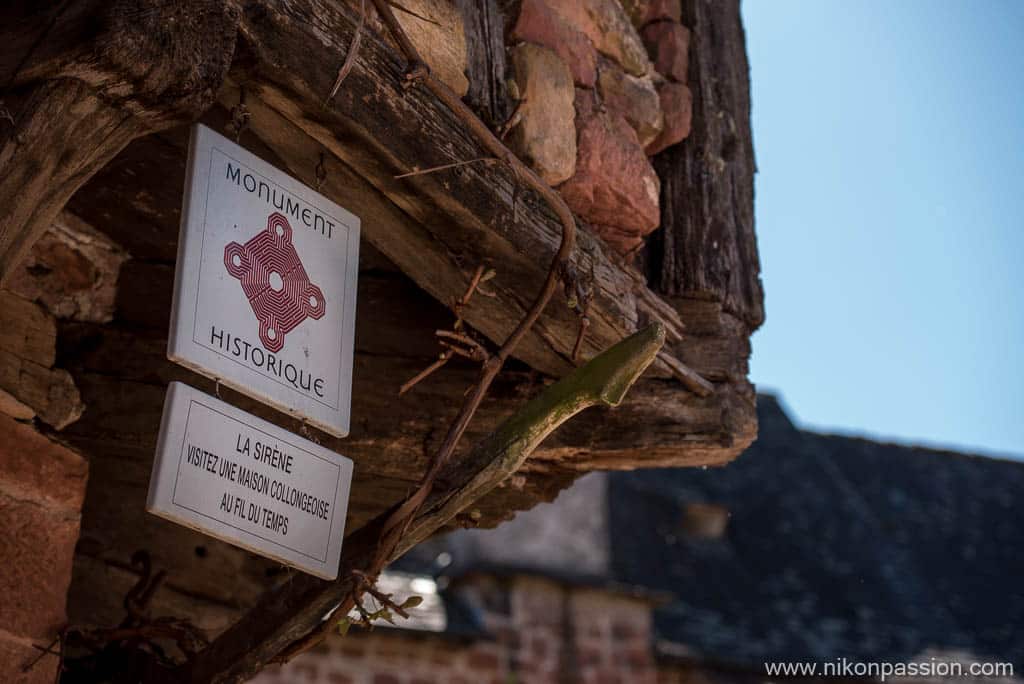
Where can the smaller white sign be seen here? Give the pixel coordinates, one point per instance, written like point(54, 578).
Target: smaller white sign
point(236, 477)
point(265, 284)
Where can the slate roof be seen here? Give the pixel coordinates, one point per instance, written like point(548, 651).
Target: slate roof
point(835, 547)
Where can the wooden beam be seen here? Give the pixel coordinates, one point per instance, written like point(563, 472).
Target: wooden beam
point(392, 437)
point(63, 134)
point(84, 78)
point(122, 372)
point(484, 21)
point(473, 214)
point(706, 247)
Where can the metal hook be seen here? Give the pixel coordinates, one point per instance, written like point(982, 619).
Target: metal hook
point(304, 431)
point(321, 172)
point(240, 115)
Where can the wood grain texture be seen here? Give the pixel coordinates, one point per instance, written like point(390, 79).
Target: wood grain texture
point(84, 78)
point(706, 247)
point(122, 372)
point(485, 22)
point(78, 106)
point(473, 214)
point(64, 134)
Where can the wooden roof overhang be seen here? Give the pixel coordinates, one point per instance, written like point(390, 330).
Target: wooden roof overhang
point(100, 132)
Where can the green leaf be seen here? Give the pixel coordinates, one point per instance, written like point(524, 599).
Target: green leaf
point(412, 602)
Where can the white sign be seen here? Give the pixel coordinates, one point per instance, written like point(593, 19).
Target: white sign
point(265, 285)
point(236, 477)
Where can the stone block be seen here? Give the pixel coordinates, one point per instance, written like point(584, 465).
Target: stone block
point(15, 655)
point(37, 547)
point(633, 98)
point(615, 188)
point(27, 330)
point(643, 12)
point(609, 29)
point(668, 43)
point(36, 469)
point(481, 659)
point(538, 23)
point(546, 135)
point(14, 407)
point(338, 678)
point(49, 393)
point(677, 110)
point(72, 271)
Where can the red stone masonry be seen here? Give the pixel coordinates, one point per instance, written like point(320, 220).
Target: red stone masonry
point(551, 634)
point(42, 486)
point(668, 43)
point(677, 105)
point(615, 185)
point(393, 657)
point(538, 23)
point(629, 62)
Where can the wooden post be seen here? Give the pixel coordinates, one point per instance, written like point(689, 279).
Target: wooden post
point(84, 78)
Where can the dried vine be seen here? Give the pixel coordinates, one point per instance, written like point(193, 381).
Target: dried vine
point(398, 521)
point(100, 652)
point(293, 613)
point(452, 339)
point(419, 72)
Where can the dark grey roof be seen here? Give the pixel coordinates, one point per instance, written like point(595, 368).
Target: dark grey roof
point(835, 547)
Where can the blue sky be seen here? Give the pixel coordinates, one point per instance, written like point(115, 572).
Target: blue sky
point(890, 216)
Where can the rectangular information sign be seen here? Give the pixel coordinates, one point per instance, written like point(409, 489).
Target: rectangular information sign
point(237, 477)
point(265, 284)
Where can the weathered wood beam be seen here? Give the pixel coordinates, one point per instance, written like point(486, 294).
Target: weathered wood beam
point(706, 247)
point(472, 214)
point(393, 436)
point(287, 613)
point(84, 78)
point(122, 377)
point(122, 372)
point(63, 134)
point(484, 23)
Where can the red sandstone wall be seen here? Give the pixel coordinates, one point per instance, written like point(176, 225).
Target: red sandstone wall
point(603, 85)
point(393, 658)
point(42, 485)
point(541, 632)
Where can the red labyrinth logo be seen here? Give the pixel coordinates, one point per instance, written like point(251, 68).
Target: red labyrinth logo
point(274, 281)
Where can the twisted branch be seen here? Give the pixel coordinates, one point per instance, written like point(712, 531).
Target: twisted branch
point(418, 72)
point(397, 523)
